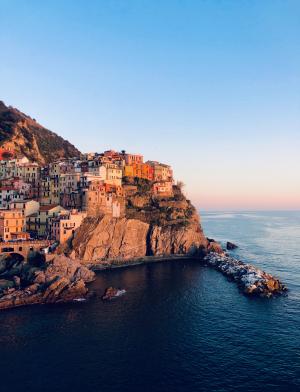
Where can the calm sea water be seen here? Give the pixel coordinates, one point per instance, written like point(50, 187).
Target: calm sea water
point(180, 327)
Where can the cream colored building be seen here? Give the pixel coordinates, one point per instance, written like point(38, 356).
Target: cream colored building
point(27, 207)
point(29, 172)
point(39, 223)
point(69, 182)
point(65, 224)
point(113, 174)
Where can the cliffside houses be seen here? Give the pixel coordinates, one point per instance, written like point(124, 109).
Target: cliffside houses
point(52, 201)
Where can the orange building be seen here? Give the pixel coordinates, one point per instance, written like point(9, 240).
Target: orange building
point(140, 170)
point(12, 225)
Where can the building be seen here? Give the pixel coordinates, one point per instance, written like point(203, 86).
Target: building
point(133, 158)
point(64, 225)
point(163, 188)
point(27, 207)
point(38, 224)
point(161, 172)
point(69, 182)
point(9, 194)
point(140, 170)
point(12, 225)
point(29, 172)
point(101, 198)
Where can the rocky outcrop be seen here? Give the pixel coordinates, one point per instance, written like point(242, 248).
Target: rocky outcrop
point(176, 239)
point(109, 239)
point(58, 280)
point(214, 246)
point(231, 246)
point(251, 280)
point(23, 135)
point(112, 292)
point(152, 226)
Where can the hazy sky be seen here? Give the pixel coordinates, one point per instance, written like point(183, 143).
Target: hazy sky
point(211, 87)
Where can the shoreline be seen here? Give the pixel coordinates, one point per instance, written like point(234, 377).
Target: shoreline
point(97, 267)
point(251, 280)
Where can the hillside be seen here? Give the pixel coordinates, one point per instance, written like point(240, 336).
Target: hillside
point(25, 136)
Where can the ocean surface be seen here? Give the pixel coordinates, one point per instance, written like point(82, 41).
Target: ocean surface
point(180, 327)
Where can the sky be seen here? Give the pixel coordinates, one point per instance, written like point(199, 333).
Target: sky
point(211, 87)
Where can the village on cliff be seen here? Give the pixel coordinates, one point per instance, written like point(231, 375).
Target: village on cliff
point(41, 206)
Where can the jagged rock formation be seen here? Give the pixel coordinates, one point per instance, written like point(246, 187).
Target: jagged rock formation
point(151, 227)
point(37, 281)
point(26, 137)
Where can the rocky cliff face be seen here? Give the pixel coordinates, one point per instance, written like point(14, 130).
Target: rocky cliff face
point(25, 136)
point(151, 227)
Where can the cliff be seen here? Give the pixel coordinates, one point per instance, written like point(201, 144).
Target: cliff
point(151, 226)
point(23, 135)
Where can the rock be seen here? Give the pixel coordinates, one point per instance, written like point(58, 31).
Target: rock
point(251, 280)
point(58, 280)
point(109, 293)
point(10, 265)
point(151, 226)
point(6, 284)
point(110, 238)
point(73, 270)
point(39, 277)
point(33, 288)
point(231, 246)
point(175, 240)
point(124, 239)
point(112, 292)
point(214, 246)
point(17, 281)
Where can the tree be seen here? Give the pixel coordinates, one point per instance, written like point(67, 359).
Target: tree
point(180, 184)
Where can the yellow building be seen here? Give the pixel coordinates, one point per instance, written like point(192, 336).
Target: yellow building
point(12, 225)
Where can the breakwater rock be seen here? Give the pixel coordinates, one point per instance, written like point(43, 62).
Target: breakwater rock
point(251, 280)
point(25, 283)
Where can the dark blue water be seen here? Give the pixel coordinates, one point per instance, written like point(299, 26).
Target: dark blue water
point(180, 327)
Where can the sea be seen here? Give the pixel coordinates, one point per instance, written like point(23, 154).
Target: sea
point(181, 326)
